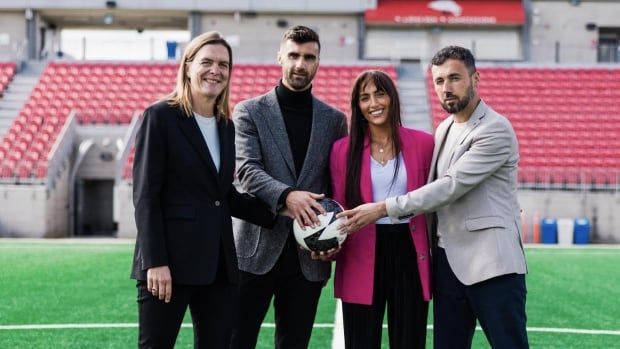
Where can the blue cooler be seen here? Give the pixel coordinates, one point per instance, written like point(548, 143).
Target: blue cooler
point(582, 231)
point(549, 231)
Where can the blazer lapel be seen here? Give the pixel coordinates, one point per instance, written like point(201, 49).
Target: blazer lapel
point(365, 175)
point(316, 138)
point(275, 121)
point(190, 128)
point(412, 166)
point(473, 121)
point(440, 138)
point(225, 151)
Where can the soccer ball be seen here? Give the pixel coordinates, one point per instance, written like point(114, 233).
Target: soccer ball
point(325, 236)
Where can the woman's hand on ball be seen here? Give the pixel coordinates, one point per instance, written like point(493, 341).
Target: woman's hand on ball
point(361, 216)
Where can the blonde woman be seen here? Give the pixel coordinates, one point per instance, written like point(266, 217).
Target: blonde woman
point(184, 198)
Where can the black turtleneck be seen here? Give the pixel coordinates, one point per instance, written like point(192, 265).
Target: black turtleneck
point(297, 112)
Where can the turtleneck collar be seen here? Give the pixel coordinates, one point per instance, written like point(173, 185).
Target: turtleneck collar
point(289, 97)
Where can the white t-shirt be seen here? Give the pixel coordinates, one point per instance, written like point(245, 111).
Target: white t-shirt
point(382, 185)
point(208, 128)
point(443, 161)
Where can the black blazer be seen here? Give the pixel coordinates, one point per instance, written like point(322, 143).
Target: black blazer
point(183, 206)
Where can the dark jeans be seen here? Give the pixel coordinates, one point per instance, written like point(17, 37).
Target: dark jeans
point(498, 304)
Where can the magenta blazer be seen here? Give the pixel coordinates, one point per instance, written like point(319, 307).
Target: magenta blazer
point(355, 263)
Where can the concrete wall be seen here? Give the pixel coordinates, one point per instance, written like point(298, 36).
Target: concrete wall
point(31, 211)
point(496, 44)
point(12, 34)
point(257, 37)
point(57, 213)
point(124, 210)
point(34, 211)
point(559, 21)
point(94, 166)
point(422, 43)
point(600, 208)
point(228, 5)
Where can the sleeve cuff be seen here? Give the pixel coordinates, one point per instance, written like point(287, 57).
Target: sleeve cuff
point(282, 199)
point(394, 213)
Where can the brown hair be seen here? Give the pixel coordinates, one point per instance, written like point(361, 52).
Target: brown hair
point(301, 35)
point(455, 52)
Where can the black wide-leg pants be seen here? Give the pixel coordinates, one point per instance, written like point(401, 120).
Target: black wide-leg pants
point(397, 284)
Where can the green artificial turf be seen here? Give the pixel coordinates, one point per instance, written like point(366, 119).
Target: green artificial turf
point(82, 283)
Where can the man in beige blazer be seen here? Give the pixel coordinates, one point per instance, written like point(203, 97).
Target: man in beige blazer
point(479, 264)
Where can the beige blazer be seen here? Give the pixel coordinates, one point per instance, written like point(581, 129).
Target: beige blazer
point(481, 230)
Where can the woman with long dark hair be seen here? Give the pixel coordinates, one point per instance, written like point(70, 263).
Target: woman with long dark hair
point(387, 262)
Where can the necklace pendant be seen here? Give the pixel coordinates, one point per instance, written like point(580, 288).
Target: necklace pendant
point(381, 150)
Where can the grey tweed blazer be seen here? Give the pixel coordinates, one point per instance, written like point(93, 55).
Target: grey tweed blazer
point(265, 168)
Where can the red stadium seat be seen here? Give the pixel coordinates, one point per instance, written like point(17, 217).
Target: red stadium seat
point(558, 115)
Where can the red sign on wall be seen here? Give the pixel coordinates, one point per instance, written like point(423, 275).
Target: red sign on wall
point(447, 12)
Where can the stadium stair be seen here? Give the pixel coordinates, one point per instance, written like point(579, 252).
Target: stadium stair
point(7, 73)
point(415, 112)
point(17, 93)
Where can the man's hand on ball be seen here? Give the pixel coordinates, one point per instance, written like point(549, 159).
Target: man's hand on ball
point(303, 205)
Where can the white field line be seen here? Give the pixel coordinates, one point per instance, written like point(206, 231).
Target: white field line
point(338, 336)
point(572, 247)
point(271, 325)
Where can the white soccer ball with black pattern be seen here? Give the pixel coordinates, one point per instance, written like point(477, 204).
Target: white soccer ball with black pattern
point(325, 236)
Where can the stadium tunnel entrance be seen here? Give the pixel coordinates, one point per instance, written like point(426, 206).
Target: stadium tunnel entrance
point(94, 211)
point(92, 179)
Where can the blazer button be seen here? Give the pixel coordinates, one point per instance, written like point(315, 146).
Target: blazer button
point(217, 202)
point(421, 257)
point(412, 227)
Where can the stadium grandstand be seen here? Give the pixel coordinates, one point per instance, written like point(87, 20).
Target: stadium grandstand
point(68, 114)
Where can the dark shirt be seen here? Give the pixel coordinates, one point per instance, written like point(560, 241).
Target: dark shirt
point(296, 110)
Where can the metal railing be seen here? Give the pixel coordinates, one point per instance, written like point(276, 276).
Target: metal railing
point(576, 179)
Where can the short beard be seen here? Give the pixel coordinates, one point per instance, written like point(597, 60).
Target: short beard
point(461, 104)
point(298, 84)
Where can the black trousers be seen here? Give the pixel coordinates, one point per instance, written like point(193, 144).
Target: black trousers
point(213, 307)
point(498, 304)
point(295, 301)
point(397, 283)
